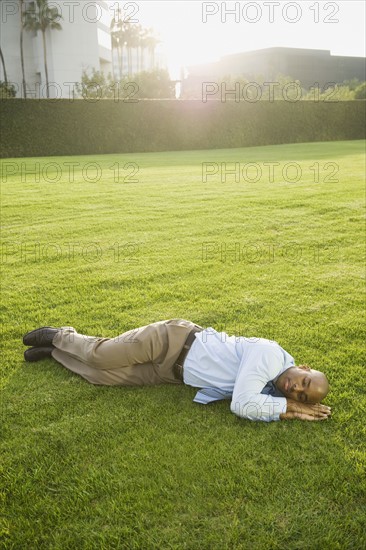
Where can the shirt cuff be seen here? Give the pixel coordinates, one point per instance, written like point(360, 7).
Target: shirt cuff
point(279, 407)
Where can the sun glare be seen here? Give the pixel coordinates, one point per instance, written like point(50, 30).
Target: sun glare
point(187, 39)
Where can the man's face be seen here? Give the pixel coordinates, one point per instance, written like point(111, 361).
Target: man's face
point(303, 384)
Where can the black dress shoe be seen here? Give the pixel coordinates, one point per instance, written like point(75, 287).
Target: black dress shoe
point(36, 354)
point(40, 337)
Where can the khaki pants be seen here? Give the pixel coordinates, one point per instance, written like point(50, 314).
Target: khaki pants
point(138, 357)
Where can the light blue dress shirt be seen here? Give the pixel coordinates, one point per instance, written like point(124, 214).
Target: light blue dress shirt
point(242, 369)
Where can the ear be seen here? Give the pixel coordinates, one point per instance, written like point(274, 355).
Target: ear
point(304, 367)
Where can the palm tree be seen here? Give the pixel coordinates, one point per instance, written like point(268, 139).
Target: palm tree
point(121, 42)
point(4, 68)
point(128, 40)
point(134, 43)
point(120, 37)
point(144, 42)
point(142, 33)
point(151, 42)
point(21, 48)
point(41, 19)
point(115, 46)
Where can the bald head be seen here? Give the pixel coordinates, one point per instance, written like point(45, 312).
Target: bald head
point(319, 386)
point(303, 384)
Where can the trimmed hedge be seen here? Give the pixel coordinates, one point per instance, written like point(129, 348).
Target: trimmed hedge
point(51, 128)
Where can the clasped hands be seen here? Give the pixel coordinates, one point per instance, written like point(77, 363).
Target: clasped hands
point(306, 411)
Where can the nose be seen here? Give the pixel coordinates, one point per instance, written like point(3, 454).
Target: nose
point(296, 388)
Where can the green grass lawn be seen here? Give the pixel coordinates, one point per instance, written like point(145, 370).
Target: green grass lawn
point(86, 467)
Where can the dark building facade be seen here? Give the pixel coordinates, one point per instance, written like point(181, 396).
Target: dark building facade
point(307, 66)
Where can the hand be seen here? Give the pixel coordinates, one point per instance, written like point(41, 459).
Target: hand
point(302, 416)
point(307, 411)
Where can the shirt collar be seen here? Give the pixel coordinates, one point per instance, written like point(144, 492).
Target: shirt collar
point(289, 361)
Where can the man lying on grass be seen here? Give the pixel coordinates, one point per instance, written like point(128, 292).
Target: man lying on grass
point(258, 375)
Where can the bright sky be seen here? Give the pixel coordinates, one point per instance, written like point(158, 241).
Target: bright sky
point(194, 32)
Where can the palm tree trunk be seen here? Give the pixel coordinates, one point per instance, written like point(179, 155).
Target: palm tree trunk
point(113, 75)
point(21, 49)
point(4, 69)
point(129, 60)
point(45, 62)
point(120, 61)
point(142, 57)
point(116, 71)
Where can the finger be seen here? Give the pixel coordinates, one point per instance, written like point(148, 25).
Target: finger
point(312, 418)
point(324, 410)
point(314, 412)
point(304, 416)
point(320, 406)
point(321, 415)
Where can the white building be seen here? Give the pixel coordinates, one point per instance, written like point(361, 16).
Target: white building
point(84, 43)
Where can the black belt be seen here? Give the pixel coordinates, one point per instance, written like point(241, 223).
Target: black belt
point(178, 365)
